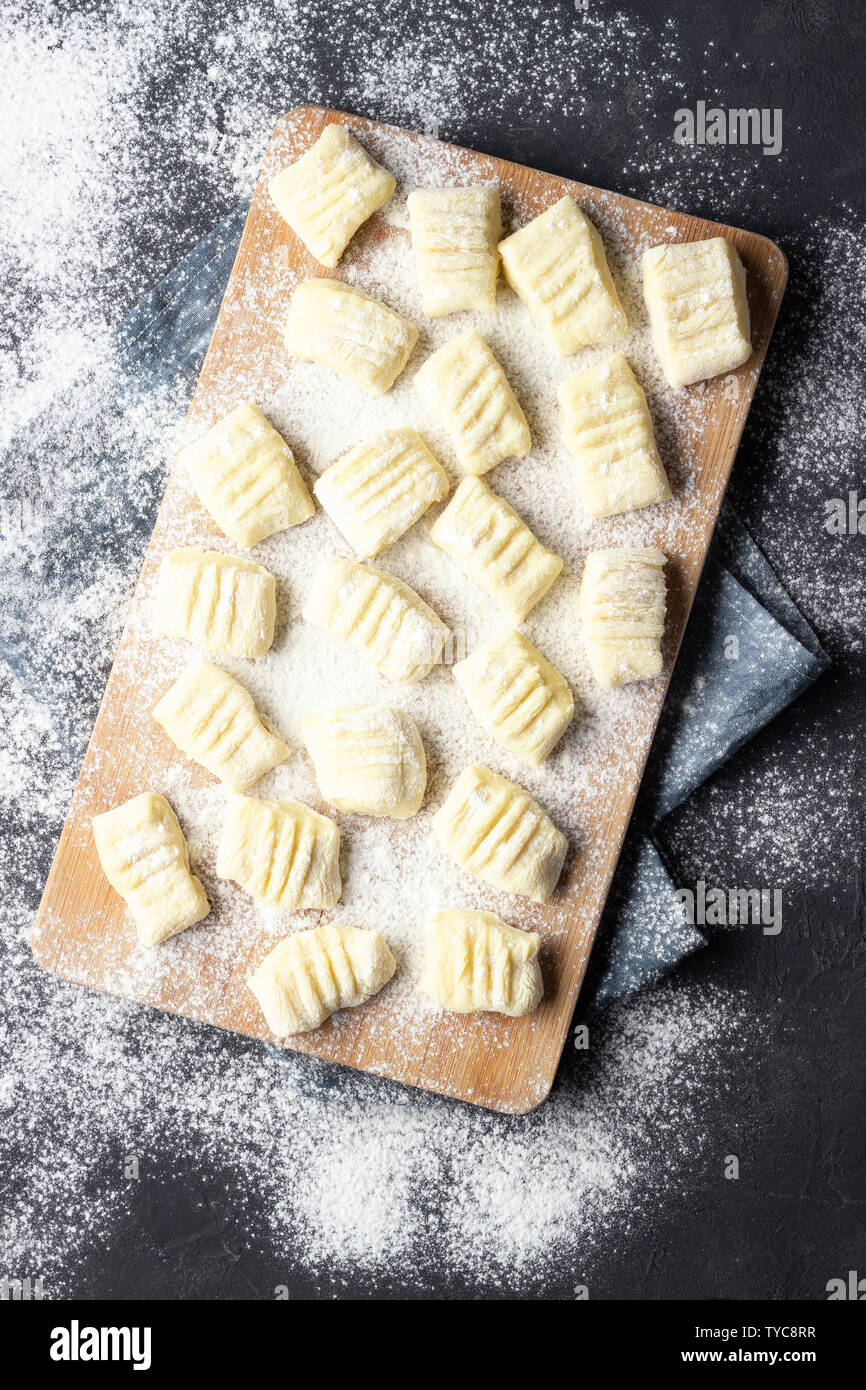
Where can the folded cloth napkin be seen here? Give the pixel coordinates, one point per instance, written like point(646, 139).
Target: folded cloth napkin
point(82, 486)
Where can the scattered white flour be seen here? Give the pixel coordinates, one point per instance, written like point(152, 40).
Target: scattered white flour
point(368, 1177)
point(98, 156)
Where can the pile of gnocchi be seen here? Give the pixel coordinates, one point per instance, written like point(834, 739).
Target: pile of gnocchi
point(370, 760)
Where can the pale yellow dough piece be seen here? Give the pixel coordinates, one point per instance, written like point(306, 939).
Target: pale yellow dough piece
point(378, 616)
point(282, 852)
point(376, 491)
point(495, 549)
point(496, 831)
point(609, 430)
point(213, 720)
point(216, 601)
point(368, 759)
point(329, 192)
point(343, 328)
point(622, 613)
point(466, 388)
point(695, 292)
point(557, 265)
point(309, 975)
point(516, 695)
point(144, 857)
point(454, 237)
point(476, 963)
point(246, 476)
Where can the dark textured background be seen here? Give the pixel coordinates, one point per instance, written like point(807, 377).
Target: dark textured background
point(794, 1113)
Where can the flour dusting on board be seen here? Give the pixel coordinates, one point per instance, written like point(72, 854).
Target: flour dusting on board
point(395, 875)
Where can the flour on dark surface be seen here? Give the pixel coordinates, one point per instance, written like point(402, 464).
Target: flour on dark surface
point(112, 167)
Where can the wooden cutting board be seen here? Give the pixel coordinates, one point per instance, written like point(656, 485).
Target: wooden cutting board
point(82, 932)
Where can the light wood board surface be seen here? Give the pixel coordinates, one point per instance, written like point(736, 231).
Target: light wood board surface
point(83, 933)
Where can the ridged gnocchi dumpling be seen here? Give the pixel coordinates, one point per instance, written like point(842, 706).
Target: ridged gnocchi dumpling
point(557, 265)
point(495, 549)
point(343, 328)
point(368, 759)
point(516, 695)
point(622, 613)
point(454, 237)
point(468, 391)
point(311, 974)
point(609, 430)
point(329, 192)
point(476, 963)
point(144, 856)
point(496, 831)
point(282, 852)
point(213, 720)
point(695, 292)
point(378, 616)
point(216, 601)
point(376, 491)
point(246, 476)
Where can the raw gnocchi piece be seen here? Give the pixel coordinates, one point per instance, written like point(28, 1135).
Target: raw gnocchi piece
point(144, 857)
point(454, 237)
point(311, 974)
point(343, 328)
point(476, 963)
point(329, 192)
point(695, 292)
point(213, 720)
point(246, 476)
point(557, 265)
point(495, 548)
point(516, 695)
point(609, 430)
point(466, 388)
point(495, 830)
point(622, 613)
point(380, 488)
point(216, 601)
point(379, 616)
point(282, 852)
point(368, 759)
